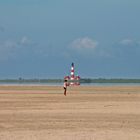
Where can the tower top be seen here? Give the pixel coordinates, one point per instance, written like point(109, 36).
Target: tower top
point(72, 64)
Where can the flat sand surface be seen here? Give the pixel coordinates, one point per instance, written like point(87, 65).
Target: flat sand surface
point(87, 113)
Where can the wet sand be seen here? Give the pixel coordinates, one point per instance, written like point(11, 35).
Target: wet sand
point(86, 113)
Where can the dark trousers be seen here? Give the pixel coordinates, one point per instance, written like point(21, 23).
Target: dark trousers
point(65, 91)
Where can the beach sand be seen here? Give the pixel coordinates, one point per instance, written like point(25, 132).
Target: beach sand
point(37, 112)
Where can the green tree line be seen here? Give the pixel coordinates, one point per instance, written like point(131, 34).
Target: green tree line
point(83, 80)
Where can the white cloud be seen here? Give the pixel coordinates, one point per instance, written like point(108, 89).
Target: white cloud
point(84, 44)
point(138, 42)
point(12, 48)
point(7, 49)
point(25, 41)
point(127, 41)
point(22, 48)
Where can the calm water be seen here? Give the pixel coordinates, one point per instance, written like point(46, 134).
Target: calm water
point(83, 84)
point(111, 84)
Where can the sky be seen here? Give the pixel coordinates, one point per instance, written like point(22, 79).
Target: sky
point(41, 38)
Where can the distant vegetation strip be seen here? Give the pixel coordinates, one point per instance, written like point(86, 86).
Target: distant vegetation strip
point(100, 80)
point(83, 80)
point(31, 80)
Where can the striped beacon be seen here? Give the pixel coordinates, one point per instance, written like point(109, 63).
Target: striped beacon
point(72, 79)
point(72, 72)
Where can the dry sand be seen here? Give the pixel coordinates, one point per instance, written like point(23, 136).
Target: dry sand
point(86, 113)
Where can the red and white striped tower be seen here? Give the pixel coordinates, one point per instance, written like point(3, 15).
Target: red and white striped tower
point(72, 79)
point(72, 74)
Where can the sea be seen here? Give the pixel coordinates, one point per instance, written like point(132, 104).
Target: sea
point(82, 84)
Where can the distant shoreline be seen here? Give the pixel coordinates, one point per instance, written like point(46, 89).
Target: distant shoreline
point(82, 84)
point(60, 81)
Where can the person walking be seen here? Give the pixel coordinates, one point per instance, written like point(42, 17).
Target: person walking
point(65, 87)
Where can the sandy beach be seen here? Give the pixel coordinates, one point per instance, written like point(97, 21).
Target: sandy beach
point(38, 112)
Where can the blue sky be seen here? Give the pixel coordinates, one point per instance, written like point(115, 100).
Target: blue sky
point(40, 38)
